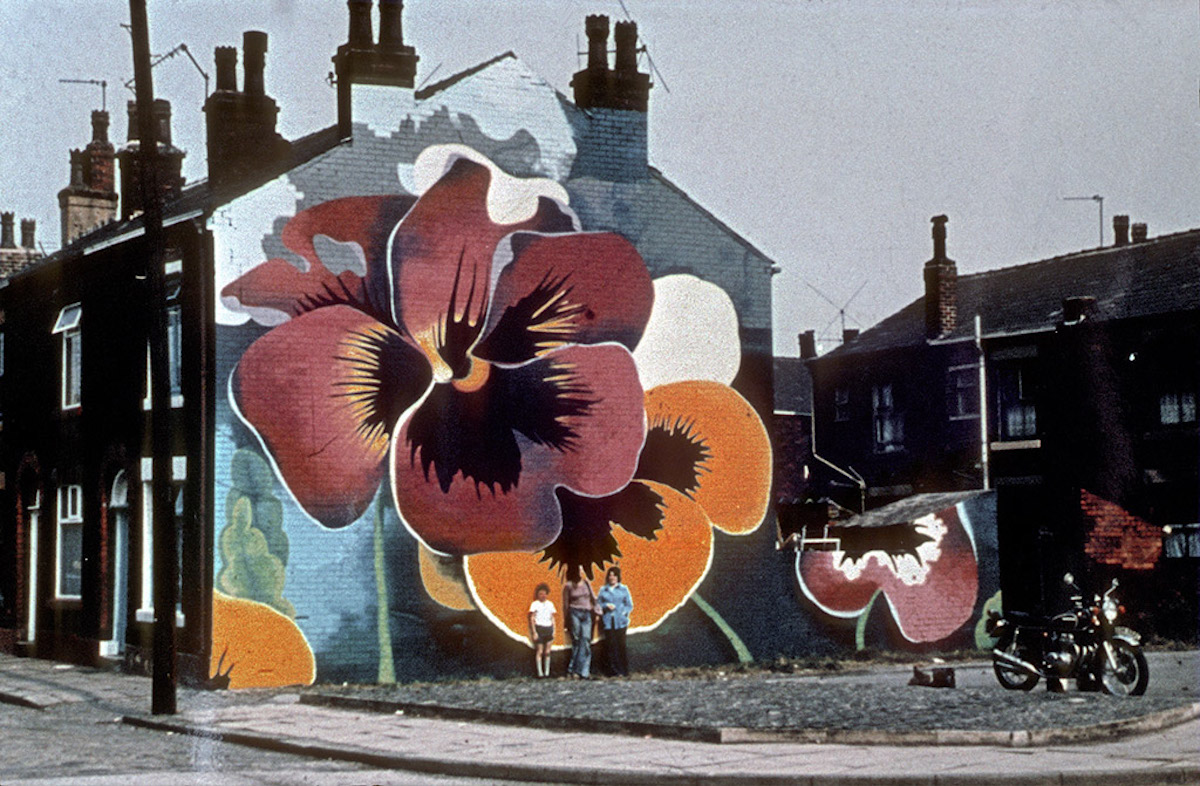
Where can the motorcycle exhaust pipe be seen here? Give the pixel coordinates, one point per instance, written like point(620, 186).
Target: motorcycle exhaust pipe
point(1016, 663)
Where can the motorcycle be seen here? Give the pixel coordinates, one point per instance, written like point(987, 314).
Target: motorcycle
point(1084, 644)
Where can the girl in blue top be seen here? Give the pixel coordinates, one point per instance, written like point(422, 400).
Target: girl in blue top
point(613, 604)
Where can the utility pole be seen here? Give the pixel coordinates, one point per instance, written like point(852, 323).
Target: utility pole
point(166, 565)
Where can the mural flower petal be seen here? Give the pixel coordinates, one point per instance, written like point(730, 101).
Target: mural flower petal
point(443, 579)
point(476, 470)
point(255, 646)
point(558, 290)
point(706, 441)
point(323, 392)
point(662, 571)
point(364, 221)
point(674, 348)
point(441, 261)
point(930, 581)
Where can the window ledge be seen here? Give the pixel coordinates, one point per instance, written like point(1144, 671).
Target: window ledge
point(147, 616)
point(1018, 444)
point(176, 402)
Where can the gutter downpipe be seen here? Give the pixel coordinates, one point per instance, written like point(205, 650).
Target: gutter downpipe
point(983, 406)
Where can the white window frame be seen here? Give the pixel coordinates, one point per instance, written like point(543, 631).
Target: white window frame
point(35, 514)
point(70, 514)
point(1176, 407)
point(69, 325)
point(145, 611)
point(887, 421)
point(963, 382)
point(174, 341)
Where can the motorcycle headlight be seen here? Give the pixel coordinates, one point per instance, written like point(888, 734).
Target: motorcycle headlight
point(1110, 610)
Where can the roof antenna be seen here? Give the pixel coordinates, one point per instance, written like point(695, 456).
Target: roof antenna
point(181, 48)
point(103, 88)
point(1093, 198)
point(841, 309)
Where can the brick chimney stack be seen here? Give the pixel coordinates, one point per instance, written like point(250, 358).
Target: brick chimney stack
point(1139, 233)
point(170, 160)
point(362, 61)
point(941, 286)
point(242, 138)
point(612, 142)
point(90, 198)
point(1121, 230)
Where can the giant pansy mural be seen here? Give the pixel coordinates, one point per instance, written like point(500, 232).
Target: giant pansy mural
point(925, 569)
point(515, 383)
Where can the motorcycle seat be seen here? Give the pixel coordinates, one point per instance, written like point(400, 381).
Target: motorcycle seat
point(1024, 618)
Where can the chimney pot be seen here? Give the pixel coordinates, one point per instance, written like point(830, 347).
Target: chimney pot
point(254, 42)
point(1077, 308)
point(939, 237)
point(1121, 230)
point(596, 27)
point(6, 231)
point(162, 115)
point(808, 344)
point(361, 35)
point(1139, 233)
point(131, 110)
point(76, 168)
point(28, 230)
point(226, 60)
point(626, 38)
point(849, 334)
point(391, 31)
point(100, 126)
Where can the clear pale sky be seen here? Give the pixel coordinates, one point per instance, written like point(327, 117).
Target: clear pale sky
point(825, 132)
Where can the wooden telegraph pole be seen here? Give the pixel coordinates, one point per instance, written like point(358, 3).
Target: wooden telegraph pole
point(166, 566)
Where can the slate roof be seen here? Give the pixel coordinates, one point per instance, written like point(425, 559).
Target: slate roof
point(908, 509)
point(194, 198)
point(1157, 276)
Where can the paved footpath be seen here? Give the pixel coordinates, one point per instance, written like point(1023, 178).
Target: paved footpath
point(280, 721)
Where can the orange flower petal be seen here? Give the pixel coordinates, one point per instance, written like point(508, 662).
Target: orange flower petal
point(502, 584)
point(734, 478)
point(662, 573)
point(443, 579)
point(257, 646)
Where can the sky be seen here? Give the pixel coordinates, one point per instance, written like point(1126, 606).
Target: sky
point(825, 132)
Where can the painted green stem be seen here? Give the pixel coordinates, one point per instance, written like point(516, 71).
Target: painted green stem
point(739, 647)
point(860, 630)
point(387, 667)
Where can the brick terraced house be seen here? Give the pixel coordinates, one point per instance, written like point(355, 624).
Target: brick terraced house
point(1068, 384)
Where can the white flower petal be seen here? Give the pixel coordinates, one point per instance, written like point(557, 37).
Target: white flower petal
point(692, 334)
point(510, 199)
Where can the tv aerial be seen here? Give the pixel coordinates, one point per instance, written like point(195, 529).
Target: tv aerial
point(1093, 198)
point(102, 84)
point(841, 310)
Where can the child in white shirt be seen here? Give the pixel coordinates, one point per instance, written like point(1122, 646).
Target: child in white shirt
point(541, 628)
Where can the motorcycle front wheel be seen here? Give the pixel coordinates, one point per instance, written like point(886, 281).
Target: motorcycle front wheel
point(1008, 677)
point(1129, 676)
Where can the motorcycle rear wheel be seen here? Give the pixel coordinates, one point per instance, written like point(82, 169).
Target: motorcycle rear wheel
point(1008, 677)
point(1131, 675)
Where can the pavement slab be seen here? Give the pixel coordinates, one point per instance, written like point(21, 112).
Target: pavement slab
point(526, 750)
